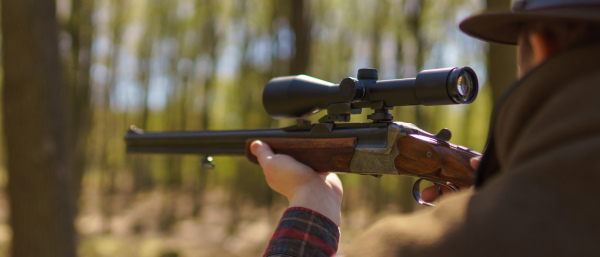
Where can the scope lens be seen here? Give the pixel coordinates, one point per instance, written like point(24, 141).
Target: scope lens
point(464, 86)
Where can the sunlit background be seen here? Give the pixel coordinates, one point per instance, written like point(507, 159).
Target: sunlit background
point(166, 65)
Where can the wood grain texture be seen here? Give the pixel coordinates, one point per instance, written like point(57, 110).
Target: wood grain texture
point(428, 158)
point(322, 154)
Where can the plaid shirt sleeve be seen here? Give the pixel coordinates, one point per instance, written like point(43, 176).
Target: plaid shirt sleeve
point(304, 232)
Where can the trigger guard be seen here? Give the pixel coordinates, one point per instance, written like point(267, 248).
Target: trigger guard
point(417, 191)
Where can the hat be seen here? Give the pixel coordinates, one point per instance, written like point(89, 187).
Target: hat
point(503, 27)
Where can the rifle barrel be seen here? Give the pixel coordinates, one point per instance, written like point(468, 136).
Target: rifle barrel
point(201, 142)
point(233, 142)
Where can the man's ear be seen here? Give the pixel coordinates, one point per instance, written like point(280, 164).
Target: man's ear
point(542, 47)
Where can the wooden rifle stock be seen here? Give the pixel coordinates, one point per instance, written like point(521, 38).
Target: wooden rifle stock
point(418, 155)
point(435, 160)
point(321, 154)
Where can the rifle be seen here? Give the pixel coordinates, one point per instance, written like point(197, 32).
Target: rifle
point(380, 147)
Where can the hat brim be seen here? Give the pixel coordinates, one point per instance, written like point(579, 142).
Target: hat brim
point(503, 27)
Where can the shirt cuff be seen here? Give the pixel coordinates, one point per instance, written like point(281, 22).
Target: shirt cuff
point(304, 232)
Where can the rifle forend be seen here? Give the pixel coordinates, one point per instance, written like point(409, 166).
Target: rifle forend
point(381, 147)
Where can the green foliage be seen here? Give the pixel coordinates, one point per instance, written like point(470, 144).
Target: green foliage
point(202, 64)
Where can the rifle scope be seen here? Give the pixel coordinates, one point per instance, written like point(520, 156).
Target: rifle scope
point(300, 96)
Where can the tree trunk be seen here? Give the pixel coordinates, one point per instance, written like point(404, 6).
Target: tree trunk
point(80, 28)
point(414, 12)
point(209, 44)
point(108, 178)
point(39, 159)
point(301, 24)
point(142, 177)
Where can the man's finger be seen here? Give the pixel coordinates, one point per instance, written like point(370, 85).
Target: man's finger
point(431, 194)
point(475, 162)
point(262, 151)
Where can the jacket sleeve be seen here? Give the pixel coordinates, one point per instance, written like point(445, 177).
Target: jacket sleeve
point(304, 232)
point(544, 201)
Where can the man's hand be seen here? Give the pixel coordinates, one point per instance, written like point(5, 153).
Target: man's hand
point(430, 194)
point(304, 187)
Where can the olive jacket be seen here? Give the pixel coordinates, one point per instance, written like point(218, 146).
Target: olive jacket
point(537, 190)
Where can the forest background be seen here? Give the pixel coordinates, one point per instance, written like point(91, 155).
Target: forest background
point(77, 73)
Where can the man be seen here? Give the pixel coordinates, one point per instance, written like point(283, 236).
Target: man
point(535, 192)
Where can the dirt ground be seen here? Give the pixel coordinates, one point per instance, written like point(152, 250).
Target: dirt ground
point(134, 228)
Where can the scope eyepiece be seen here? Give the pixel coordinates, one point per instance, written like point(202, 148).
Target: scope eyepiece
point(461, 86)
point(301, 96)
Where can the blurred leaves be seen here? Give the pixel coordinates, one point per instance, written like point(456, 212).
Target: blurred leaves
point(202, 64)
